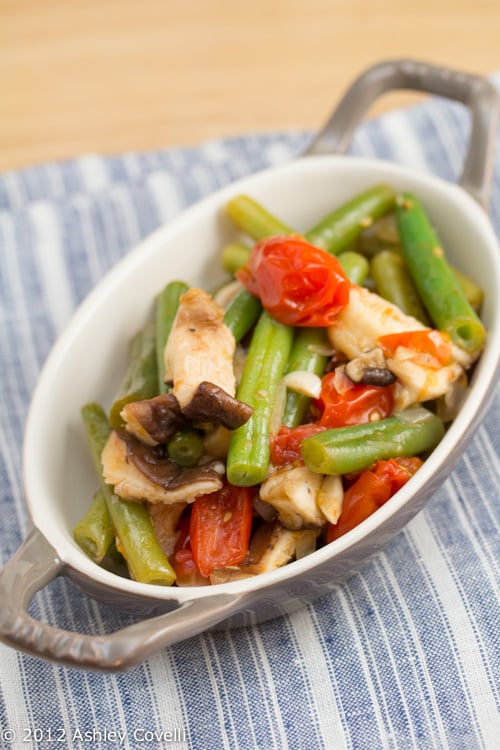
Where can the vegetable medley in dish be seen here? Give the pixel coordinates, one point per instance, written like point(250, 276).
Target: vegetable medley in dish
point(267, 418)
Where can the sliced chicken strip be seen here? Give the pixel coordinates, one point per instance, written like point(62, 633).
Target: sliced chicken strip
point(200, 348)
point(364, 319)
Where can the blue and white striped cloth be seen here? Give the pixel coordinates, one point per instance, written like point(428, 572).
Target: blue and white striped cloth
point(404, 656)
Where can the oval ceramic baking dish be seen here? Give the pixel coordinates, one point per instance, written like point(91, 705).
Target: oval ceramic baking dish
point(55, 452)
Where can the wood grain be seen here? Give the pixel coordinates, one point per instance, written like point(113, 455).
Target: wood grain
point(107, 76)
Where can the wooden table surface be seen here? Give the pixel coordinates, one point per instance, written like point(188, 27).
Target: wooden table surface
point(105, 76)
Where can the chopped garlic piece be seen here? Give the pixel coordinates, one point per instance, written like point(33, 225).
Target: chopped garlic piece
point(302, 381)
point(330, 497)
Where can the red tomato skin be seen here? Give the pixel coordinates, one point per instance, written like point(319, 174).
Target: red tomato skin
point(285, 445)
point(362, 499)
point(297, 283)
point(183, 540)
point(355, 404)
point(184, 566)
point(370, 491)
point(187, 574)
point(398, 471)
point(220, 528)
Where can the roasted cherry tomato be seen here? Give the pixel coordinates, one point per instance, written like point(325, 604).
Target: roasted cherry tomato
point(297, 283)
point(370, 491)
point(397, 470)
point(220, 528)
point(182, 560)
point(343, 402)
point(285, 445)
point(434, 345)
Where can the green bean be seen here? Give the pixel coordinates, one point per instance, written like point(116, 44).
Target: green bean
point(355, 266)
point(94, 532)
point(167, 304)
point(145, 559)
point(336, 231)
point(234, 256)
point(438, 287)
point(253, 219)
point(242, 313)
point(131, 521)
point(308, 353)
point(185, 447)
point(394, 283)
point(413, 305)
point(141, 378)
point(115, 562)
point(114, 557)
point(473, 293)
point(381, 235)
point(344, 450)
point(249, 450)
point(97, 431)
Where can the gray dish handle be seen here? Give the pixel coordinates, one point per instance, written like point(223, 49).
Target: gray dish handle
point(35, 564)
point(476, 92)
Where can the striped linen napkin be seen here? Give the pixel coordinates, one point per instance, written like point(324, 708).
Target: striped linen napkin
point(403, 656)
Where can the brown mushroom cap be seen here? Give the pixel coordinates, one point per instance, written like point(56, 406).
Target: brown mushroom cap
point(211, 403)
point(159, 418)
point(154, 463)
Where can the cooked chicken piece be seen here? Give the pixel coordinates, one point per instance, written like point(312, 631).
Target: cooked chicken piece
point(367, 317)
point(153, 421)
point(226, 575)
point(280, 548)
point(449, 405)
point(293, 492)
point(264, 510)
point(139, 472)
point(199, 362)
point(200, 347)
point(165, 519)
point(305, 542)
point(416, 382)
